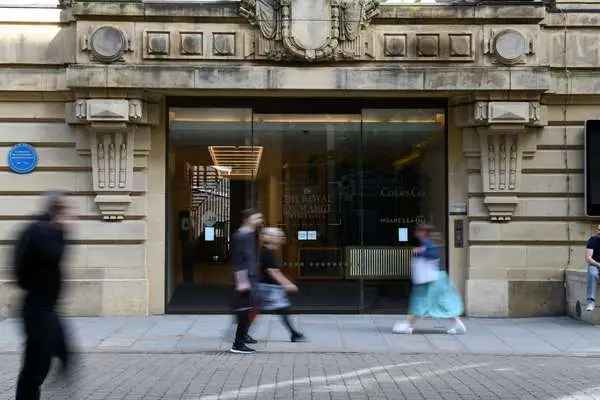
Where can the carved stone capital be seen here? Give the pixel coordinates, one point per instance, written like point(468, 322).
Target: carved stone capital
point(107, 131)
point(500, 140)
point(517, 113)
point(85, 111)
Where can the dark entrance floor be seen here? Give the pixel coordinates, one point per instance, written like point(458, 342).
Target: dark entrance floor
point(314, 297)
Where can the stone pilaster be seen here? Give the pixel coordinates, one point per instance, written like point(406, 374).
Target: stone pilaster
point(107, 131)
point(498, 136)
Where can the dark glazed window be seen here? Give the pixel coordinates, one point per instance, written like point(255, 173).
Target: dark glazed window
point(592, 167)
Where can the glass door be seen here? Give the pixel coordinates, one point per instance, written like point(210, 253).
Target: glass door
point(309, 186)
point(212, 166)
point(404, 185)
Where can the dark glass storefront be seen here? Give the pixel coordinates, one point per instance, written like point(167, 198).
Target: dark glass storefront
point(348, 185)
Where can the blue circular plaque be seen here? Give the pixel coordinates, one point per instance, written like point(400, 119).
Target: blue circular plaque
point(22, 158)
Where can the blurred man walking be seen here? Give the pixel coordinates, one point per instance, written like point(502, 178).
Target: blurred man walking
point(245, 267)
point(38, 267)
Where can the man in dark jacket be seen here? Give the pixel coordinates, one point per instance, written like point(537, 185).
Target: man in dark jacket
point(245, 271)
point(38, 257)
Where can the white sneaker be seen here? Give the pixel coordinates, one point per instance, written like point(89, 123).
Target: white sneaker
point(591, 306)
point(458, 329)
point(402, 327)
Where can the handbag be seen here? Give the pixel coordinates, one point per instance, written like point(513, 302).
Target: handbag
point(424, 270)
point(272, 297)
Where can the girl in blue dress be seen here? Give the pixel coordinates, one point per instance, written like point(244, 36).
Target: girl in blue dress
point(436, 298)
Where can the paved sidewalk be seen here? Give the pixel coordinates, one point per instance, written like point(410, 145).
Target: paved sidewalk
point(329, 376)
point(327, 333)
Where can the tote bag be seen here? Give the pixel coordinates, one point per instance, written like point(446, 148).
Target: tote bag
point(424, 270)
point(272, 297)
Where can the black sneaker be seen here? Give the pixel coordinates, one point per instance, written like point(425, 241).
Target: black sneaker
point(298, 337)
point(241, 349)
point(249, 340)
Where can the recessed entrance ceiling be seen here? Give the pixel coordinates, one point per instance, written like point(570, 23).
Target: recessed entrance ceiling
point(244, 161)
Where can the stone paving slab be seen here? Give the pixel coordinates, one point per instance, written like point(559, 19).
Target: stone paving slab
point(326, 333)
point(298, 376)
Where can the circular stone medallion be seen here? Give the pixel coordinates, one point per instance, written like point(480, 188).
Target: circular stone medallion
point(107, 44)
point(510, 46)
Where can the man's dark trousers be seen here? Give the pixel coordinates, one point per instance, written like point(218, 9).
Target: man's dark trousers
point(45, 340)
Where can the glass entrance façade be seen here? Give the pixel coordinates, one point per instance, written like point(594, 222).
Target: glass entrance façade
point(348, 185)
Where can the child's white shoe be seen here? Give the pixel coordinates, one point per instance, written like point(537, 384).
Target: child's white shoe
point(402, 327)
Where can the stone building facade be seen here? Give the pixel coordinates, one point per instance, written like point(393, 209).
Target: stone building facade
point(90, 87)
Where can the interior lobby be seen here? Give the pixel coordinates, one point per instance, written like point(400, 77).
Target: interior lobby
point(347, 182)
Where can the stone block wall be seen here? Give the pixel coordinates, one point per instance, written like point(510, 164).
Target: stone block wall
point(522, 103)
point(106, 262)
point(520, 264)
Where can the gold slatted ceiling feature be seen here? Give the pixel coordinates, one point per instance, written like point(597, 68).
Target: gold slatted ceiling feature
point(244, 161)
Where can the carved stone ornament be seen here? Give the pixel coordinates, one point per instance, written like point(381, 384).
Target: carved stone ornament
point(309, 30)
point(107, 132)
point(510, 47)
point(107, 44)
point(501, 140)
point(508, 112)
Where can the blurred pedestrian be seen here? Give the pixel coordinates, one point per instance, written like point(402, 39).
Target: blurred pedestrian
point(432, 294)
point(245, 266)
point(38, 258)
point(274, 285)
point(592, 258)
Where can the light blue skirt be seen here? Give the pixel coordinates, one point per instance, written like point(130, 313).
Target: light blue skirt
point(438, 299)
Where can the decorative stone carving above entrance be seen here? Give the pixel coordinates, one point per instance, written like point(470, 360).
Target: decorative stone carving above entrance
point(107, 132)
point(309, 30)
point(500, 137)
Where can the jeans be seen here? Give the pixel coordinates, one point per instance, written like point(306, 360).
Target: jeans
point(592, 282)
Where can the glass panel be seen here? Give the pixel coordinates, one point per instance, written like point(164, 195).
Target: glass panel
point(211, 167)
point(404, 183)
point(347, 189)
point(307, 184)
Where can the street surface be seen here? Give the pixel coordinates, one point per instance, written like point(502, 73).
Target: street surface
point(348, 357)
point(221, 375)
point(326, 333)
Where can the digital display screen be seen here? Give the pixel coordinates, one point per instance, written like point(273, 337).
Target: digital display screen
point(209, 234)
point(403, 234)
point(592, 167)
